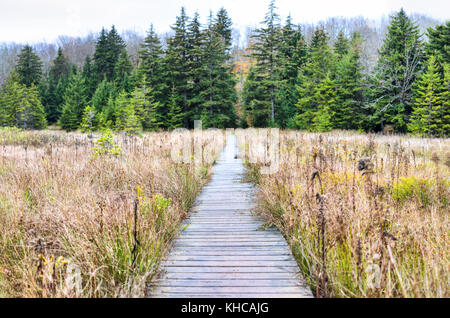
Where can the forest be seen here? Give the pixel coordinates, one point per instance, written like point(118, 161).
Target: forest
point(288, 81)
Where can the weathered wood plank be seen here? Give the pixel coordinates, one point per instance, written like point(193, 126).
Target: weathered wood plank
point(178, 257)
point(229, 283)
point(231, 276)
point(229, 263)
point(228, 269)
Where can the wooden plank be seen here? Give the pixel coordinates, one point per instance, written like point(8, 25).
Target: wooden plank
point(228, 283)
point(229, 263)
point(228, 269)
point(231, 276)
point(178, 257)
point(189, 252)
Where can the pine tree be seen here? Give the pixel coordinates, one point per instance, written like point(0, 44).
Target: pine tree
point(175, 116)
point(151, 70)
point(342, 45)
point(217, 93)
point(438, 43)
point(89, 77)
point(325, 96)
point(75, 101)
point(126, 118)
point(257, 113)
point(108, 50)
point(21, 105)
point(122, 72)
point(60, 68)
point(195, 67)
point(349, 104)
point(51, 94)
point(293, 52)
point(318, 65)
point(29, 67)
point(147, 109)
point(176, 62)
point(115, 46)
point(396, 71)
point(265, 51)
point(89, 120)
point(101, 63)
point(102, 94)
point(428, 116)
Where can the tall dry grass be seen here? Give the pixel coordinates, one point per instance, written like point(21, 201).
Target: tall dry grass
point(76, 222)
point(365, 215)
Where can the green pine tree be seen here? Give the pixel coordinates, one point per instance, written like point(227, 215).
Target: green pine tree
point(175, 116)
point(318, 65)
point(151, 70)
point(396, 71)
point(293, 53)
point(21, 105)
point(265, 52)
point(75, 101)
point(89, 120)
point(29, 67)
point(176, 64)
point(428, 116)
point(349, 107)
point(325, 97)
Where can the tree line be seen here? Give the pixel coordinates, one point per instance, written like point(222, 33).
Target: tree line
point(291, 83)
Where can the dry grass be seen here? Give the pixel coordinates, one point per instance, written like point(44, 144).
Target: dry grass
point(366, 215)
point(73, 224)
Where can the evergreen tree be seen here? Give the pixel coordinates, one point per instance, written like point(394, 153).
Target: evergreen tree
point(293, 53)
point(256, 111)
point(151, 71)
point(125, 115)
point(75, 101)
point(115, 49)
point(122, 72)
point(147, 109)
point(195, 67)
point(52, 93)
point(342, 45)
point(217, 94)
point(89, 77)
point(265, 52)
point(318, 65)
point(21, 105)
point(108, 50)
point(101, 62)
point(430, 114)
point(396, 71)
point(89, 120)
point(101, 96)
point(176, 62)
point(29, 67)
point(349, 104)
point(175, 116)
point(438, 43)
point(60, 68)
point(325, 96)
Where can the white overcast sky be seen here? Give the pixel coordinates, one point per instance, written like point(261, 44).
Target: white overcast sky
point(36, 20)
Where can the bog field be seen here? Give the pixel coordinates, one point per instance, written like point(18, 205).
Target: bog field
point(94, 215)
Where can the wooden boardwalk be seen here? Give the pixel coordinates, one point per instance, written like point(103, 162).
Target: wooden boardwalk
point(224, 251)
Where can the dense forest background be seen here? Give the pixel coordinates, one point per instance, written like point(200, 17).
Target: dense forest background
point(344, 73)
